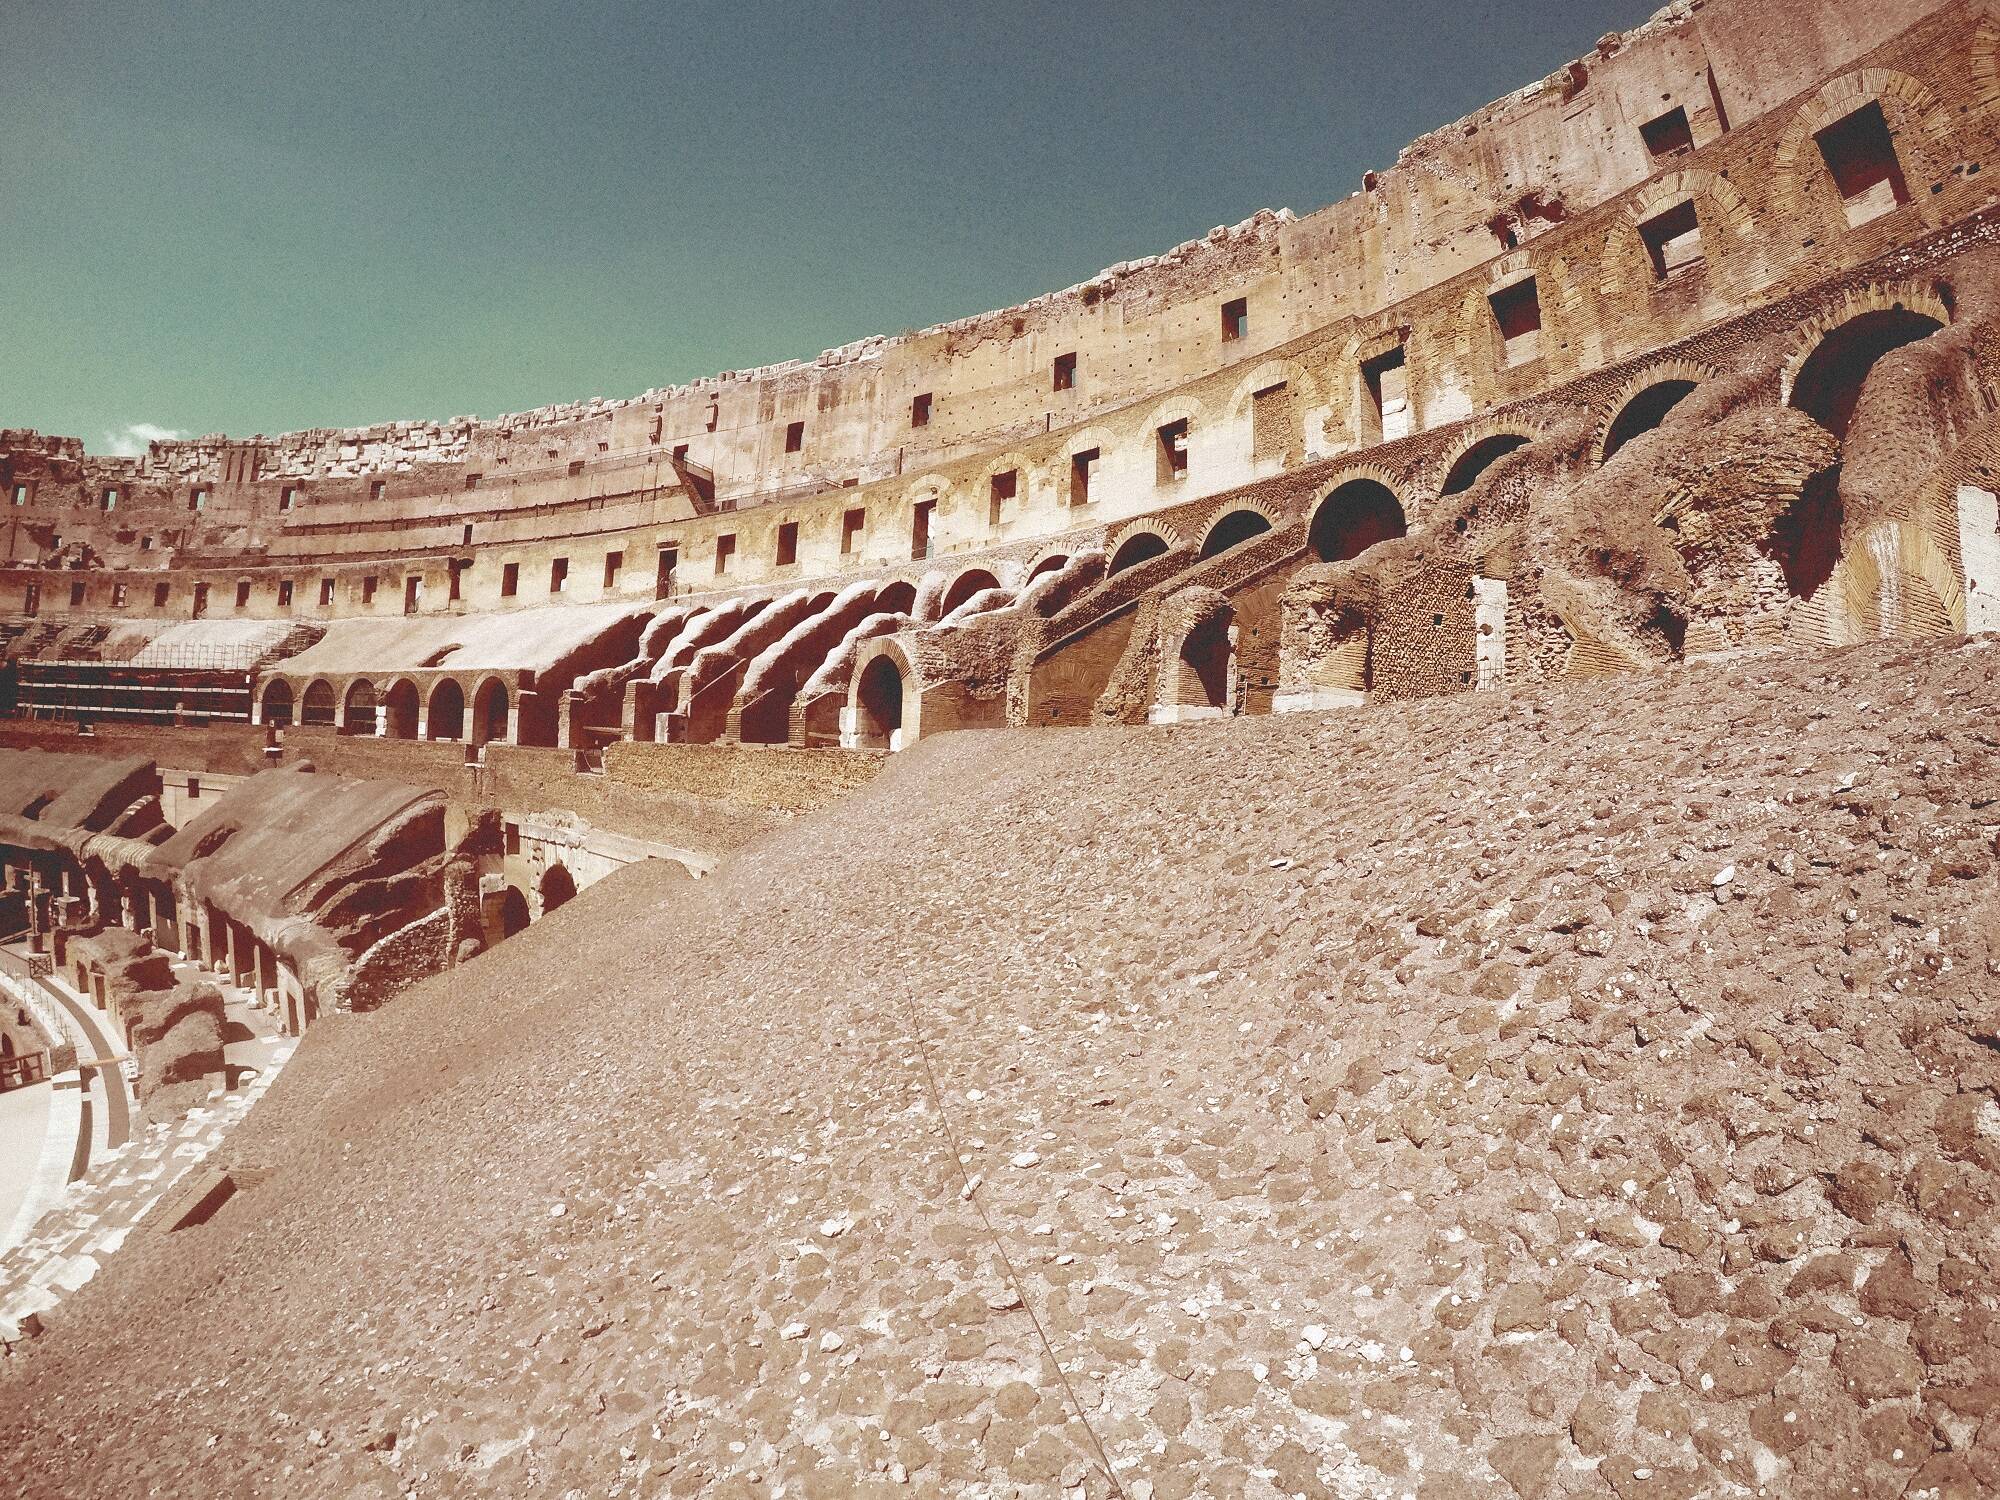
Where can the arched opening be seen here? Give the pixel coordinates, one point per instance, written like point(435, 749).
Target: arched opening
point(558, 885)
point(1805, 538)
point(897, 599)
point(1354, 518)
point(513, 912)
point(399, 710)
point(1828, 385)
point(1204, 664)
point(878, 706)
point(360, 707)
point(1645, 412)
point(278, 702)
point(1054, 562)
point(1233, 530)
point(1141, 546)
point(489, 712)
point(317, 707)
point(976, 580)
point(447, 711)
point(1477, 459)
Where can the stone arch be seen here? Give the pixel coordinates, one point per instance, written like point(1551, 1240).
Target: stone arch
point(1048, 562)
point(1894, 581)
point(557, 886)
point(445, 714)
point(1727, 223)
point(1630, 416)
point(1479, 455)
point(1197, 657)
point(1271, 372)
point(879, 698)
point(898, 598)
point(513, 911)
point(1140, 543)
point(971, 581)
point(1234, 526)
point(1359, 512)
point(1805, 192)
point(276, 703)
point(402, 706)
point(489, 712)
point(358, 707)
point(1835, 352)
point(317, 705)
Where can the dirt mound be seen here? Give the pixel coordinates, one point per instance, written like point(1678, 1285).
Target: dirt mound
point(1584, 1092)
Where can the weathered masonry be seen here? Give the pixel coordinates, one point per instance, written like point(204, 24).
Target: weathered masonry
point(1686, 349)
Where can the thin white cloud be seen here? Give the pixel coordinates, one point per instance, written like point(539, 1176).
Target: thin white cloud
point(130, 441)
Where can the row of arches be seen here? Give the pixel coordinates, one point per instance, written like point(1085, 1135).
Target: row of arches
point(1351, 519)
point(400, 713)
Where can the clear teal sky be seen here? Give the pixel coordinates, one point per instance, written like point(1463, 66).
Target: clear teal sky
point(225, 216)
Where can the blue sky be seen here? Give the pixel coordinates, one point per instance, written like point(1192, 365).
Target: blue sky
point(240, 217)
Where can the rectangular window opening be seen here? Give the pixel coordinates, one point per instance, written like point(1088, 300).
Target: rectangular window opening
point(663, 571)
point(413, 592)
point(197, 499)
point(368, 589)
point(1235, 319)
point(851, 525)
point(111, 499)
point(377, 488)
point(1065, 372)
point(288, 497)
point(243, 593)
point(76, 590)
point(1861, 155)
point(920, 410)
point(558, 574)
point(472, 481)
point(1517, 310)
point(284, 593)
point(1673, 240)
point(1388, 382)
point(1173, 451)
point(117, 596)
point(21, 495)
point(510, 580)
point(788, 543)
point(1082, 466)
point(1669, 135)
point(1001, 488)
point(795, 437)
point(161, 593)
point(920, 529)
point(725, 552)
point(326, 593)
point(575, 467)
point(613, 561)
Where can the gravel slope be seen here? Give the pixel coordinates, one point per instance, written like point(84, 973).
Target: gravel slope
point(1579, 1092)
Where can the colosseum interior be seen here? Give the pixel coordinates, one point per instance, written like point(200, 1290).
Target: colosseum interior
point(1496, 998)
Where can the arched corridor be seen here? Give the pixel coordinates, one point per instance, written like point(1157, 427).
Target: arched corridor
point(1141, 546)
point(1645, 412)
point(1233, 530)
point(878, 706)
point(1828, 385)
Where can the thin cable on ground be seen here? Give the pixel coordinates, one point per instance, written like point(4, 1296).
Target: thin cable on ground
point(1013, 1276)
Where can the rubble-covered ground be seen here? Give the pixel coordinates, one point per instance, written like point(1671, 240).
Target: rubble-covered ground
point(1580, 1092)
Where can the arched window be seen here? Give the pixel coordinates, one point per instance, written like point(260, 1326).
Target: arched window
point(316, 708)
point(360, 707)
point(447, 711)
point(399, 710)
point(489, 712)
point(977, 580)
point(1354, 518)
point(1233, 530)
point(1477, 459)
point(1828, 385)
point(879, 705)
point(278, 702)
point(1645, 412)
point(1141, 546)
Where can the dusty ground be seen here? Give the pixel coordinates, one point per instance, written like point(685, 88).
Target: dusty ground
point(1584, 1092)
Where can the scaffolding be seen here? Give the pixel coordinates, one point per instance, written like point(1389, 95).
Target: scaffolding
point(197, 685)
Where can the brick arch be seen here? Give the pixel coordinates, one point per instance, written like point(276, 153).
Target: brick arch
point(402, 704)
point(316, 697)
point(1166, 535)
point(1273, 372)
point(1884, 296)
point(1642, 380)
point(1223, 512)
point(1473, 436)
point(1893, 581)
point(1360, 481)
point(1804, 193)
point(1727, 224)
point(872, 724)
point(1985, 60)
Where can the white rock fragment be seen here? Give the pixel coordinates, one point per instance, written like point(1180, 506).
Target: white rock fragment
point(793, 1331)
point(1026, 1159)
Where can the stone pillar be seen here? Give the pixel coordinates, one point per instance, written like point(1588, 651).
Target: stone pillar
point(1489, 626)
